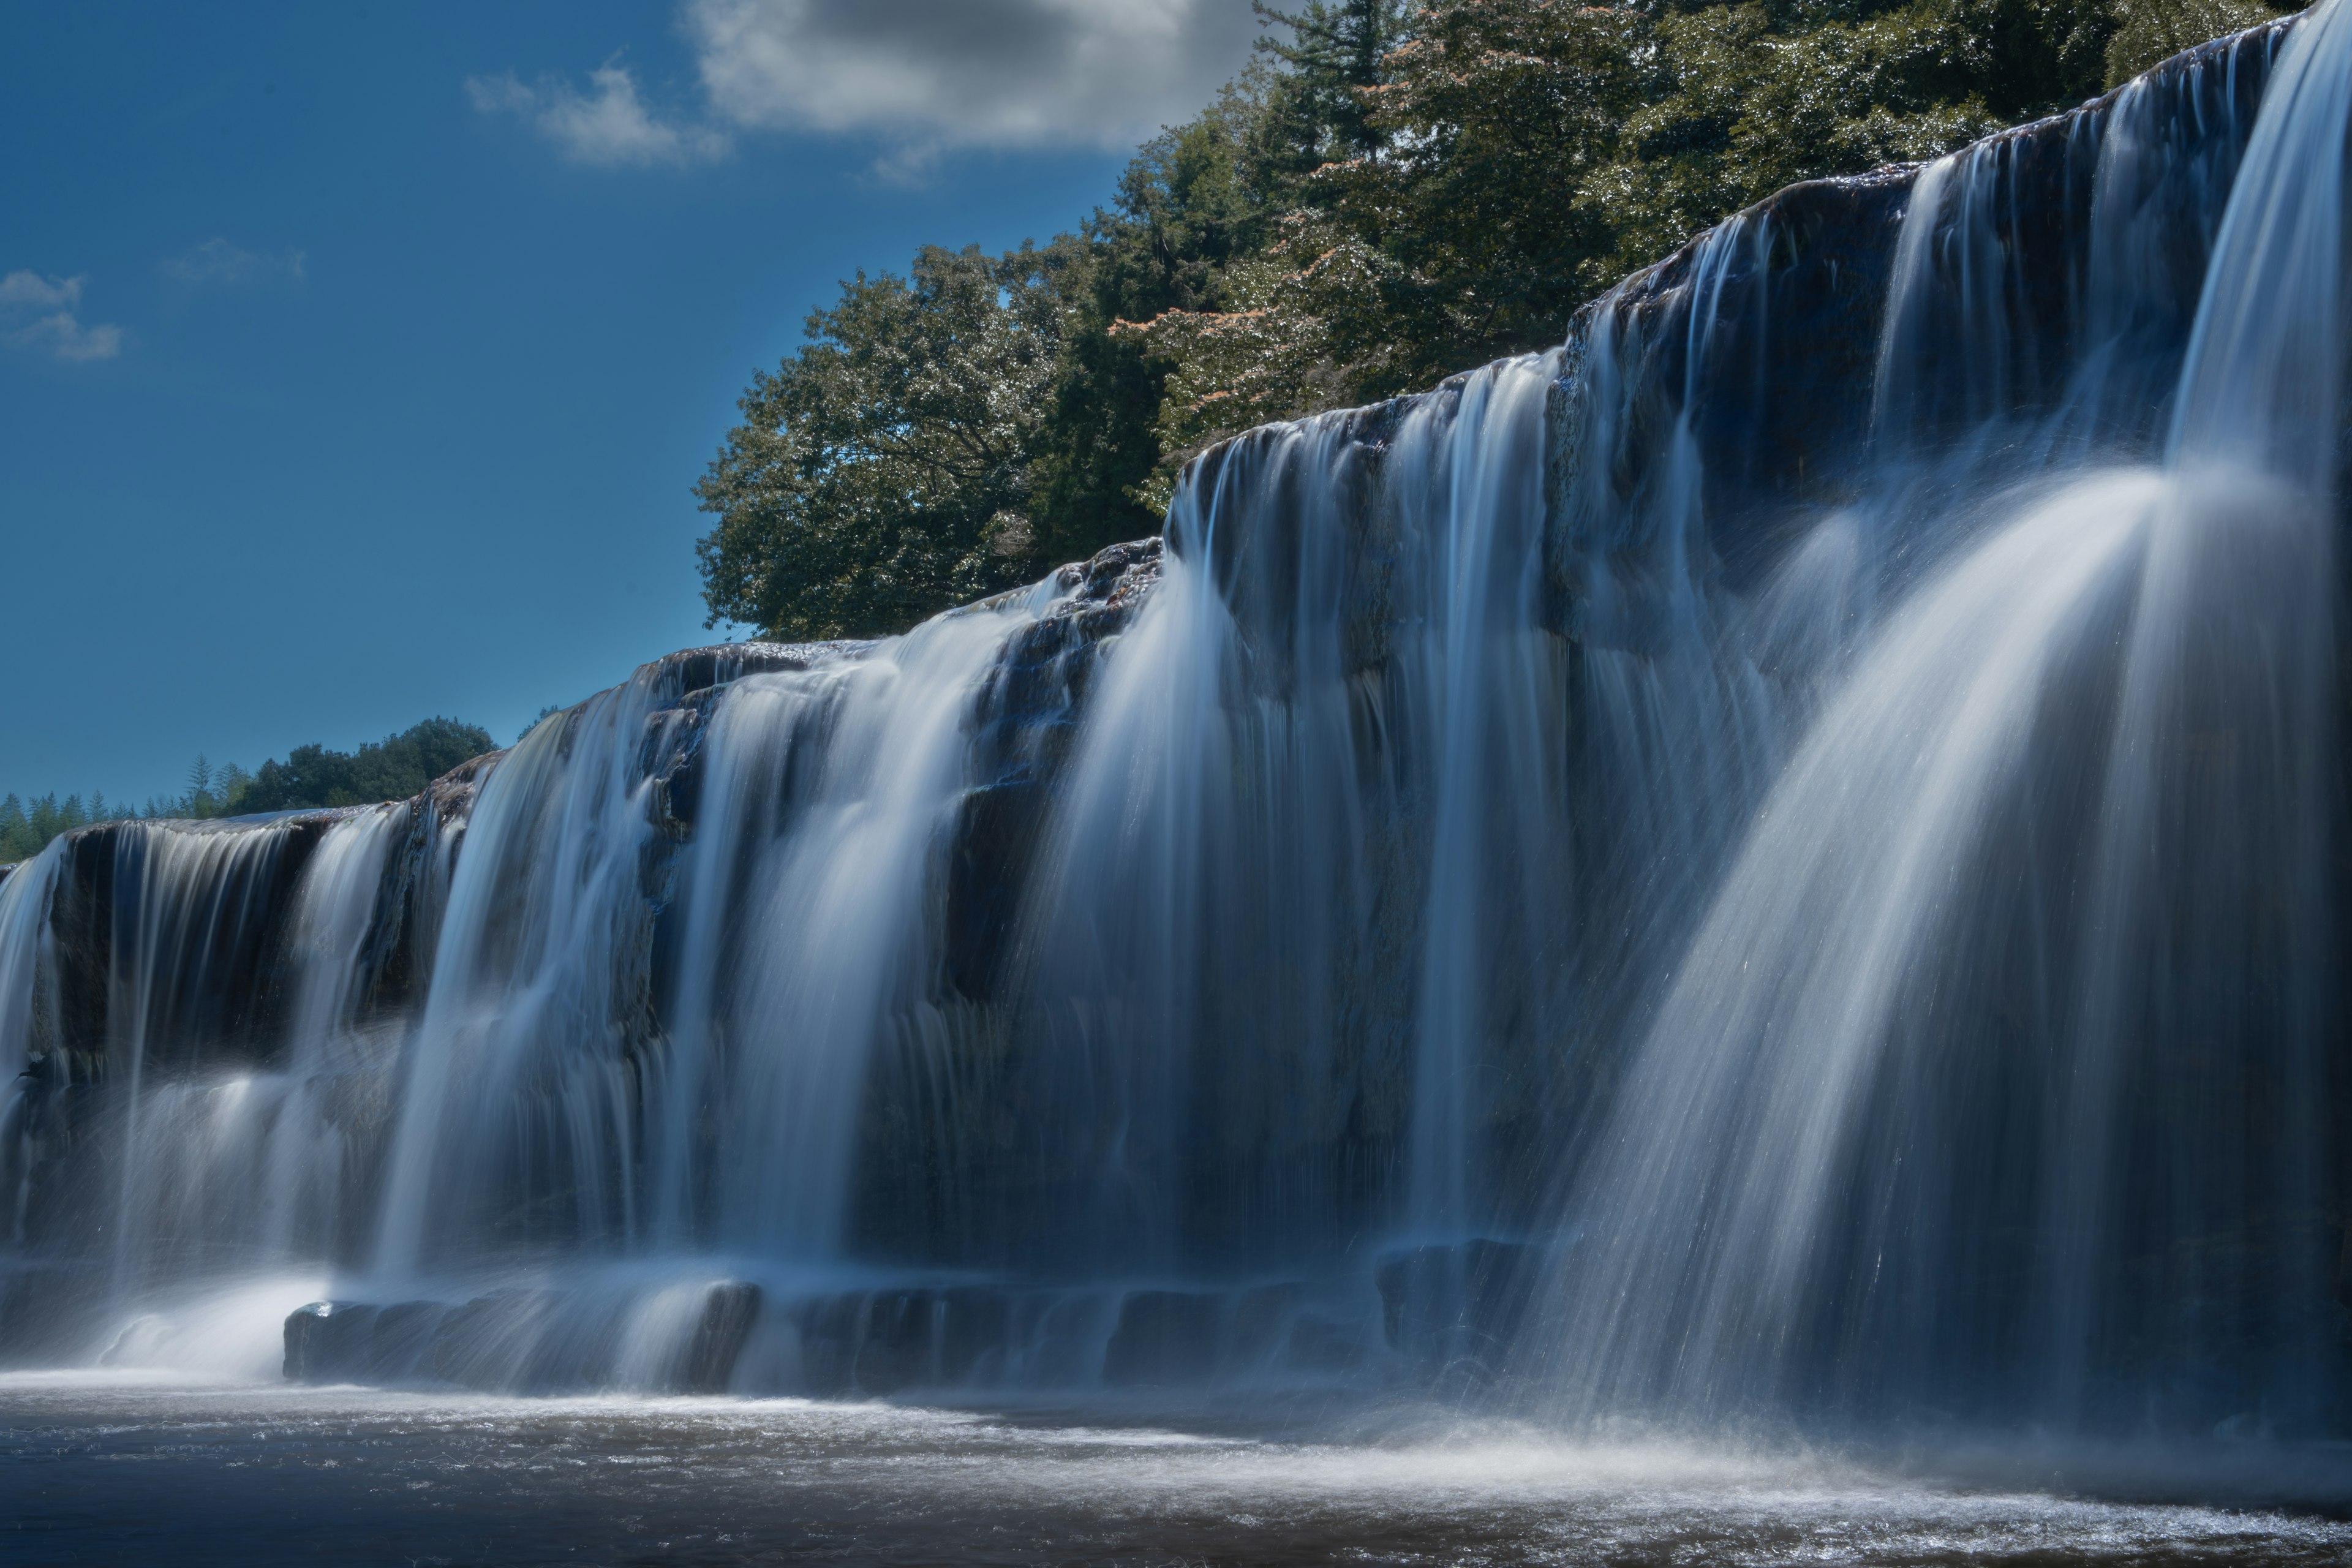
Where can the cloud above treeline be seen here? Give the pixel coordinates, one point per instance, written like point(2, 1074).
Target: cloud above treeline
point(922, 76)
point(44, 314)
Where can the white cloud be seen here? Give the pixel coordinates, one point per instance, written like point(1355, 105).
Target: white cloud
point(609, 125)
point(218, 261)
point(39, 293)
point(44, 314)
point(997, 73)
point(923, 76)
point(66, 337)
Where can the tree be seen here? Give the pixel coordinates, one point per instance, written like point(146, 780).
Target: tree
point(1512, 158)
point(25, 828)
point(1488, 212)
point(884, 471)
point(393, 768)
point(1318, 112)
point(1196, 201)
point(1393, 191)
point(2147, 31)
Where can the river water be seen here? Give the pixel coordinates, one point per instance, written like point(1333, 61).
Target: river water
point(123, 1469)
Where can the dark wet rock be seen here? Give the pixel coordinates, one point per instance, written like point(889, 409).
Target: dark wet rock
point(348, 1342)
point(1165, 1337)
point(1462, 1304)
point(401, 1334)
point(521, 1339)
point(328, 1342)
point(995, 842)
point(1043, 672)
point(880, 1341)
point(1058, 1337)
point(729, 1313)
point(224, 1000)
point(453, 795)
point(1317, 1344)
point(690, 683)
point(467, 1345)
point(1261, 1326)
point(1255, 553)
point(694, 670)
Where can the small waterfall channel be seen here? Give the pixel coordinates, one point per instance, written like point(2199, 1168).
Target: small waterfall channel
point(1778, 859)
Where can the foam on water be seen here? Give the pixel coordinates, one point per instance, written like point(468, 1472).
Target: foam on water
point(735, 1480)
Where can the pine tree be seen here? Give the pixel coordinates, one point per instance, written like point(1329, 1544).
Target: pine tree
point(1333, 55)
point(17, 838)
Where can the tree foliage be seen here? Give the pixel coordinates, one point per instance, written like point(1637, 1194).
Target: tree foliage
point(1393, 191)
point(395, 768)
point(2147, 31)
point(27, 825)
point(885, 470)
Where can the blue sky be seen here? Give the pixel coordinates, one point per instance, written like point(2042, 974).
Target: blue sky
point(355, 360)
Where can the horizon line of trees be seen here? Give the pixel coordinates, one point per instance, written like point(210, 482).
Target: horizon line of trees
point(1391, 191)
point(308, 777)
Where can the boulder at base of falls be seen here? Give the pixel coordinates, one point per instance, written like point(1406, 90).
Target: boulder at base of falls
point(515, 1339)
point(347, 1342)
point(326, 1342)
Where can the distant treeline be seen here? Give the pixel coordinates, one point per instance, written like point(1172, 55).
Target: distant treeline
point(393, 768)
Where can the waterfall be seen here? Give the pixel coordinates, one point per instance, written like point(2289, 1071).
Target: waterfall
point(24, 929)
point(1271, 789)
point(1777, 860)
point(831, 792)
point(2102, 724)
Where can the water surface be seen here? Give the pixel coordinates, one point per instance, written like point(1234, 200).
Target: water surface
point(123, 1470)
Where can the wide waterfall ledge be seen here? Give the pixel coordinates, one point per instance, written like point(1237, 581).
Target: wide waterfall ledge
point(1779, 863)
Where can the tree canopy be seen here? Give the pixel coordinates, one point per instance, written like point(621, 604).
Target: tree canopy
point(1393, 191)
point(395, 768)
point(886, 469)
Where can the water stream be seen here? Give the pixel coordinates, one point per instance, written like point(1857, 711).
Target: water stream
point(1554, 895)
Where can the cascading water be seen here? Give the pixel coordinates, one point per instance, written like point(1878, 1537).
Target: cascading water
point(1918, 1097)
point(1779, 858)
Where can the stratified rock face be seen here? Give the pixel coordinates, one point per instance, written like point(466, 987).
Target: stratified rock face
point(2061, 247)
point(917, 1339)
point(496, 1341)
point(1240, 958)
point(163, 951)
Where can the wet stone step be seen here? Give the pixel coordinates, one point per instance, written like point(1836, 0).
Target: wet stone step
point(519, 1341)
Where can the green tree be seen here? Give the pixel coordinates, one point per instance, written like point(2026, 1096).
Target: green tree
point(2147, 31)
point(1393, 191)
point(1195, 202)
point(27, 827)
point(1316, 111)
point(1513, 157)
point(884, 471)
point(393, 768)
